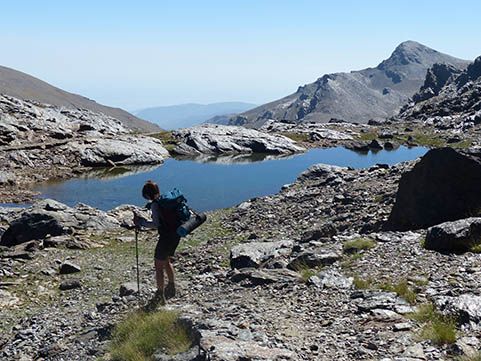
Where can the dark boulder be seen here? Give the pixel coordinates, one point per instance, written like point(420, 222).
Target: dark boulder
point(69, 267)
point(49, 217)
point(443, 186)
point(456, 236)
point(323, 232)
point(70, 284)
point(35, 225)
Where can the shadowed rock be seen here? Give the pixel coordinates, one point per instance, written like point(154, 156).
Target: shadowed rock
point(443, 186)
point(49, 217)
point(456, 236)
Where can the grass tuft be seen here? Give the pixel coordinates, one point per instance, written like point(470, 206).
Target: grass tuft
point(141, 334)
point(440, 331)
point(297, 137)
point(167, 139)
point(476, 357)
point(438, 328)
point(362, 284)
point(359, 244)
point(305, 271)
point(402, 289)
point(476, 248)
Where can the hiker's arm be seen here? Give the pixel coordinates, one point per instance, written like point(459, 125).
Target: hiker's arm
point(155, 222)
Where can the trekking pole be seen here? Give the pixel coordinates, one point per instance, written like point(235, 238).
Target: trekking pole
point(137, 257)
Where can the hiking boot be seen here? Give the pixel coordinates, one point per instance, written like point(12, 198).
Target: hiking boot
point(157, 300)
point(170, 290)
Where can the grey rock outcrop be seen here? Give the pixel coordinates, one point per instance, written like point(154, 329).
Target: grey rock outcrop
point(218, 139)
point(49, 217)
point(124, 151)
point(442, 186)
point(314, 131)
point(331, 279)
point(449, 98)
point(467, 308)
point(357, 96)
point(254, 254)
point(456, 236)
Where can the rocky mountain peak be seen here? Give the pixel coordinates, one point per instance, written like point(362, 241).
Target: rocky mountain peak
point(411, 52)
point(357, 96)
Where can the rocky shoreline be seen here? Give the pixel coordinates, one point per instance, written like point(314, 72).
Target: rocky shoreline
point(309, 273)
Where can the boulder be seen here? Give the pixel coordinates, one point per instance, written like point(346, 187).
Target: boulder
point(70, 284)
point(467, 308)
point(128, 288)
point(323, 231)
point(379, 300)
point(68, 267)
point(218, 139)
point(456, 236)
point(254, 254)
point(120, 151)
point(375, 145)
point(442, 186)
point(331, 279)
point(318, 257)
point(322, 172)
point(222, 348)
point(256, 277)
point(49, 217)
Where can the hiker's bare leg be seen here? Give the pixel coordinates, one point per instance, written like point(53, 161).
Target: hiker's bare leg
point(169, 269)
point(159, 274)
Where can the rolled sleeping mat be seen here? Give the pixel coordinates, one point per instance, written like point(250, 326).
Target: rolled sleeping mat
point(192, 223)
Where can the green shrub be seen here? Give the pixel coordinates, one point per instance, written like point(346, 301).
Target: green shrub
point(358, 244)
point(141, 334)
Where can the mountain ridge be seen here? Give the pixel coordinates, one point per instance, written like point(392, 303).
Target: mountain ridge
point(27, 87)
point(355, 96)
point(189, 114)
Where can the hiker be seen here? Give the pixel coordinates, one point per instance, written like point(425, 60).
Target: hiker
point(167, 243)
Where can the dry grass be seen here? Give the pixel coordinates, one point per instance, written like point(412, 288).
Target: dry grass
point(141, 334)
point(438, 328)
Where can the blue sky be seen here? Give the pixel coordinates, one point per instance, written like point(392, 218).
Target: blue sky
point(136, 54)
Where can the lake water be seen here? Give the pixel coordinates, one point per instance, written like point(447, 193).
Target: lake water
point(211, 183)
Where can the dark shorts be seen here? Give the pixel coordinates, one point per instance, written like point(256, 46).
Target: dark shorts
point(166, 245)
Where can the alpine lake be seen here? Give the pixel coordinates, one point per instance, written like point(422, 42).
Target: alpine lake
point(210, 182)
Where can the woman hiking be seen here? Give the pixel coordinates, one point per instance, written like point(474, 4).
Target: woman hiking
point(167, 242)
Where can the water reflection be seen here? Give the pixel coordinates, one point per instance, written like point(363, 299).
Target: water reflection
point(211, 182)
point(118, 172)
point(234, 158)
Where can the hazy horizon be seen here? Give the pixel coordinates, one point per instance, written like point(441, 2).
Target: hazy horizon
point(151, 54)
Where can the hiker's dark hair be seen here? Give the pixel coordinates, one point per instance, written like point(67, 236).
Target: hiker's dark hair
point(150, 190)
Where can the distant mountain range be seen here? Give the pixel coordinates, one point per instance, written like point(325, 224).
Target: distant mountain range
point(357, 96)
point(187, 115)
point(26, 87)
